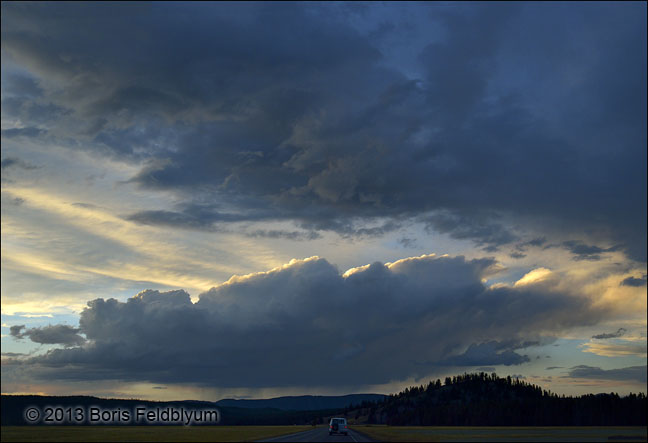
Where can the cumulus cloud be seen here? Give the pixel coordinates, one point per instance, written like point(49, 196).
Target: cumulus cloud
point(51, 335)
point(534, 276)
point(290, 112)
point(306, 324)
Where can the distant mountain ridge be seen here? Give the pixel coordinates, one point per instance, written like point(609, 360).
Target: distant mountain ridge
point(477, 399)
point(303, 402)
point(13, 410)
point(305, 409)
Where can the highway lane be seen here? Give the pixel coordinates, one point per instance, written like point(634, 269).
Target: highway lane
point(320, 434)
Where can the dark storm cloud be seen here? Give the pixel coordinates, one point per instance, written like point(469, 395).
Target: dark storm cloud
point(289, 110)
point(211, 218)
point(535, 242)
point(22, 132)
point(288, 235)
point(14, 331)
point(21, 86)
point(490, 353)
point(306, 325)
point(52, 334)
point(632, 373)
point(85, 205)
point(12, 354)
point(620, 332)
point(180, 219)
point(13, 162)
point(34, 112)
point(407, 242)
point(633, 281)
point(483, 231)
point(582, 251)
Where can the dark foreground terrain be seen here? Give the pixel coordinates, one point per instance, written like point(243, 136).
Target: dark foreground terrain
point(488, 400)
point(320, 433)
point(14, 407)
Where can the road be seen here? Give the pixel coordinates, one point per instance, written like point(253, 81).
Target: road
point(321, 434)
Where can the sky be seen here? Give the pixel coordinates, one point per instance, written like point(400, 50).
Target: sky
point(209, 200)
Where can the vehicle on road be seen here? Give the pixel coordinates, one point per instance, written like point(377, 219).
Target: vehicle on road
point(338, 426)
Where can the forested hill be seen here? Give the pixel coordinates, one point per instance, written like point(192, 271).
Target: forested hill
point(489, 400)
point(465, 400)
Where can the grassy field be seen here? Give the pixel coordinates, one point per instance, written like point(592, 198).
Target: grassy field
point(379, 433)
point(469, 433)
point(145, 433)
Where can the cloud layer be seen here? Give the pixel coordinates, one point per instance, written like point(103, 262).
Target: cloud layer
point(300, 112)
point(305, 324)
point(633, 373)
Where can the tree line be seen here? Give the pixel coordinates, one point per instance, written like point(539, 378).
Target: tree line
point(481, 399)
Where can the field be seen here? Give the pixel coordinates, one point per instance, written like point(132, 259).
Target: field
point(145, 433)
point(470, 433)
point(379, 433)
